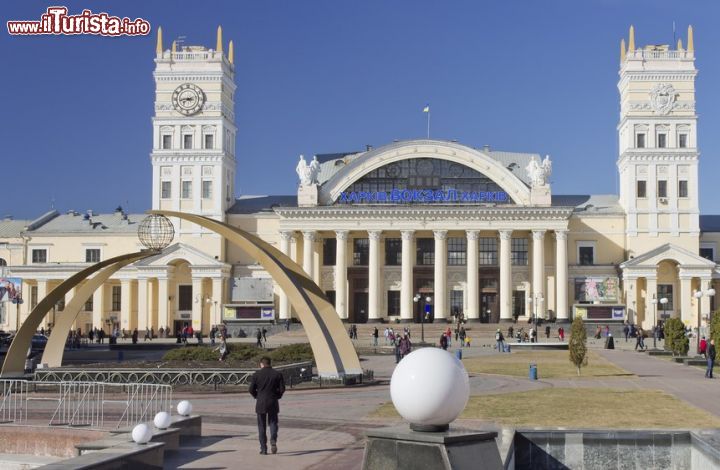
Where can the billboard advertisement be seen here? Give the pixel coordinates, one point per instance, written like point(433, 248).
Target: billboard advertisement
point(596, 289)
point(10, 289)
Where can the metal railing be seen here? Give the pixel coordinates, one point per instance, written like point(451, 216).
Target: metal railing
point(91, 404)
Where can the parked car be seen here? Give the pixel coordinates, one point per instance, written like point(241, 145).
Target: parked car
point(39, 341)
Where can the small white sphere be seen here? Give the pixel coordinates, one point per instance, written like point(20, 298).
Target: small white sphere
point(162, 420)
point(430, 387)
point(142, 433)
point(184, 408)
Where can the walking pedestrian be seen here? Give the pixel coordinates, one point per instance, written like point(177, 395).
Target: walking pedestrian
point(547, 331)
point(223, 349)
point(710, 359)
point(703, 347)
point(443, 341)
point(499, 339)
point(375, 335)
point(626, 331)
point(267, 387)
point(258, 337)
point(264, 335)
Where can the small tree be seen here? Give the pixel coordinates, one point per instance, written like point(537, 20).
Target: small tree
point(578, 344)
point(715, 327)
point(675, 338)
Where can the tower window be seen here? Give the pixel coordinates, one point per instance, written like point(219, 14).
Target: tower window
point(186, 190)
point(207, 189)
point(682, 188)
point(116, 298)
point(641, 188)
point(92, 255)
point(682, 141)
point(187, 141)
point(586, 255)
point(393, 251)
point(519, 251)
point(488, 251)
point(662, 188)
point(209, 141)
point(361, 251)
point(165, 190)
point(662, 141)
point(167, 142)
point(640, 141)
point(457, 251)
point(425, 252)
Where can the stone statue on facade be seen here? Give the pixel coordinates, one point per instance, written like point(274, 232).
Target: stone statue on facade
point(308, 173)
point(539, 172)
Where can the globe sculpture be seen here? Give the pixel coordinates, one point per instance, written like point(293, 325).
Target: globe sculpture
point(162, 420)
point(430, 388)
point(184, 408)
point(156, 232)
point(142, 433)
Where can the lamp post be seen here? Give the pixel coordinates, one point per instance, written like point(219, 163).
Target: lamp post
point(538, 298)
point(654, 302)
point(663, 302)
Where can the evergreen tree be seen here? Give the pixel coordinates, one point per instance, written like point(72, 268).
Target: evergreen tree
point(578, 344)
point(675, 338)
point(715, 327)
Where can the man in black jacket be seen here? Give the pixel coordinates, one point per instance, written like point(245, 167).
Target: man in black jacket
point(267, 387)
point(710, 353)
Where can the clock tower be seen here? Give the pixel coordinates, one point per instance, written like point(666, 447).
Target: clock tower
point(193, 155)
point(658, 161)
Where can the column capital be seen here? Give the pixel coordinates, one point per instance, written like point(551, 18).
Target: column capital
point(310, 235)
point(374, 234)
point(472, 234)
point(407, 235)
point(561, 234)
point(287, 234)
point(440, 234)
point(538, 234)
point(341, 235)
point(505, 234)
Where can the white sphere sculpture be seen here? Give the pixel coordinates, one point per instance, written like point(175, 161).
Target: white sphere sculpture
point(430, 388)
point(142, 433)
point(162, 420)
point(184, 408)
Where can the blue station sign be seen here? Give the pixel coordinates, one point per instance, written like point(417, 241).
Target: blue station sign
point(400, 196)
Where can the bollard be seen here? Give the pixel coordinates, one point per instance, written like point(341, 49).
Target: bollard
point(533, 371)
point(458, 354)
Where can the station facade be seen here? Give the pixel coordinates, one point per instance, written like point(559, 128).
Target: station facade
point(397, 231)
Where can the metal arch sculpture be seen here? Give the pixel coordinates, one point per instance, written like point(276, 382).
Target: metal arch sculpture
point(55, 347)
point(334, 353)
point(14, 363)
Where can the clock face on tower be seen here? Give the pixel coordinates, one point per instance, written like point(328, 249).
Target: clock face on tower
point(188, 99)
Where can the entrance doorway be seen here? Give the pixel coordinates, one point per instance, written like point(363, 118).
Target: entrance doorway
point(488, 307)
point(360, 307)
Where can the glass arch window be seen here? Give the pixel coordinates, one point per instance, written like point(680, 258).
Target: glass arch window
point(425, 174)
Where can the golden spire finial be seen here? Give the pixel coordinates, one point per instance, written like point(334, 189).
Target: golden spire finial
point(679, 45)
point(174, 47)
point(631, 41)
point(159, 47)
point(622, 50)
point(219, 47)
point(691, 42)
point(231, 52)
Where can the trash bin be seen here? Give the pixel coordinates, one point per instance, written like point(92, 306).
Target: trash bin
point(533, 371)
point(458, 354)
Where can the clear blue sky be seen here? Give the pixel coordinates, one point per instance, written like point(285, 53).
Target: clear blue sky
point(327, 76)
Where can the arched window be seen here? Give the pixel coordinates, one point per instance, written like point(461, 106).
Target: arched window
point(3, 262)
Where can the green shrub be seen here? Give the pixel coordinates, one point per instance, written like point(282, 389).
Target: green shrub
point(292, 353)
point(675, 338)
point(194, 353)
point(577, 345)
point(715, 327)
point(240, 352)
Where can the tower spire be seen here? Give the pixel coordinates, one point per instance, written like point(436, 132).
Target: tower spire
point(631, 40)
point(174, 47)
point(219, 46)
point(622, 50)
point(231, 52)
point(679, 44)
point(159, 47)
point(691, 42)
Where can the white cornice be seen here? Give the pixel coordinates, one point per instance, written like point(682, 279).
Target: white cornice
point(424, 212)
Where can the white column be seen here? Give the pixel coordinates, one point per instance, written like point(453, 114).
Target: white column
point(686, 306)
point(705, 284)
point(538, 273)
point(473, 310)
point(406, 285)
point(630, 289)
point(142, 315)
point(217, 298)
point(440, 282)
point(374, 275)
point(341, 237)
point(309, 237)
point(505, 276)
point(198, 303)
point(98, 305)
point(561, 275)
point(283, 301)
point(164, 312)
point(125, 307)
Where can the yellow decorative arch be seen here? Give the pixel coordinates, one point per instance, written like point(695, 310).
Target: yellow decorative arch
point(55, 347)
point(518, 191)
point(334, 353)
point(14, 363)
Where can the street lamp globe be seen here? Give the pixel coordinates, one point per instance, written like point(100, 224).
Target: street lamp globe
point(698, 294)
point(664, 300)
point(428, 299)
point(710, 292)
